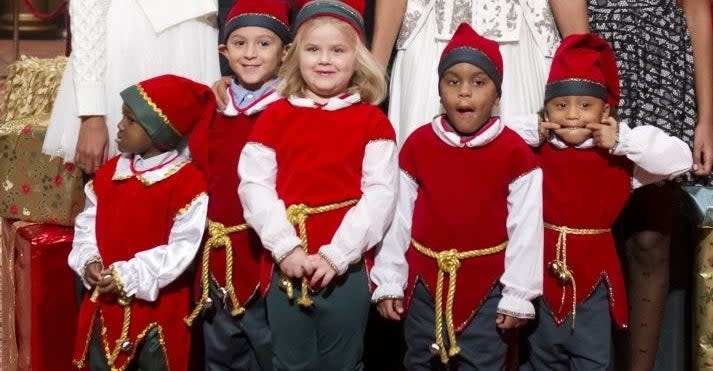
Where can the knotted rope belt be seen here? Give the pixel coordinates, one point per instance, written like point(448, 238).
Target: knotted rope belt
point(448, 263)
point(297, 215)
point(558, 267)
point(218, 237)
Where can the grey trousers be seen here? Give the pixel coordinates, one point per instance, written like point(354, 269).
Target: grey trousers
point(327, 337)
point(586, 346)
point(237, 343)
point(148, 358)
point(482, 346)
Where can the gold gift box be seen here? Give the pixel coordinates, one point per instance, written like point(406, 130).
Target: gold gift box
point(31, 86)
point(36, 187)
point(703, 278)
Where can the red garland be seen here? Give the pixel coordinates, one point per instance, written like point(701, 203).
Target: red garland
point(45, 17)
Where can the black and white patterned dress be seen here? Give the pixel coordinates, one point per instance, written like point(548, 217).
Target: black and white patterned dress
point(651, 41)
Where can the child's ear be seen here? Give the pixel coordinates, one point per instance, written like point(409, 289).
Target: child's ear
point(223, 49)
point(606, 111)
point(285, 50)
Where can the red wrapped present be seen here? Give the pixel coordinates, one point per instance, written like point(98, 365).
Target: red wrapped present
point(46, 309)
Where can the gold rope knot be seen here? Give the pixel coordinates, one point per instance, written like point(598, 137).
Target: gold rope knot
point(297, 215)
point(218, 236)
point(448, 261)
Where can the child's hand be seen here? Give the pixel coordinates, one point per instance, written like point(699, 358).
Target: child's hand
point(545, 127)
point(323, 271)
point(505, 322)
point(219, 88)
point(606, 134)
point(106, 284)
point(296, 265)
point(392, 309)
point(92, 273)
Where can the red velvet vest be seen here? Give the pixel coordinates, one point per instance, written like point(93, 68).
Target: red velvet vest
point(584, 189)
point(132, 217)
point(461, 204)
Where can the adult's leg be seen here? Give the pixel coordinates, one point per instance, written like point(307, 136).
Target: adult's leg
point(647, 223)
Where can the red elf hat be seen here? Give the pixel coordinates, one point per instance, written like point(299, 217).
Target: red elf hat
point(349, 11)
point(584, 64)
point(168, 107)
point(467, 46)
point(270, 14)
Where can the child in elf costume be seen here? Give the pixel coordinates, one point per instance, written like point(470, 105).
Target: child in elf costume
point(140, 230)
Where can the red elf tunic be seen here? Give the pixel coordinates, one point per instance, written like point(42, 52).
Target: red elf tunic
point(135, 215)
point(226, 136)
point(462, 205)
point(319, 155)
point(584, 189)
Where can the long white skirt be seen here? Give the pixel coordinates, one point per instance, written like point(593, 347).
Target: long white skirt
point(134, 52)
point(414, 96)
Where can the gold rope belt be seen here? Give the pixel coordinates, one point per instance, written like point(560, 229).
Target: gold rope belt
point(218, 237)
point(448, 263)
point(558, 267)
point(297, 215)
point(123, 343)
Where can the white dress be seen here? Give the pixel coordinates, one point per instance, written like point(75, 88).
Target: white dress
point(525, 30)
point(118, 43)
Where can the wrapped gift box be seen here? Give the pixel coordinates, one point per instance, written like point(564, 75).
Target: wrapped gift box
point(36, 187)
point(45, 303)
point(703, 278)
point(31, 86)
point(8, 339)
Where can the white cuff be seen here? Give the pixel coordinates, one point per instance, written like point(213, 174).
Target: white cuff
point(90, 258)
point(516, 307)
point(335, 258)
point(90, 99)
point(128, 276)
point(623, 140)
point(391, 290)
point(285, 247)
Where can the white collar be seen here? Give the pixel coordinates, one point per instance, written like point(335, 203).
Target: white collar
point(256, 106)
point(175, 162)
point(333, 104)
point(451, 138)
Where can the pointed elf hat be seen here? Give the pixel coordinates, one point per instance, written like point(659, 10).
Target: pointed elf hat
point(467, 46)
point(584, 65)
point(270, 14)
point(168, 107)
point(349, 11)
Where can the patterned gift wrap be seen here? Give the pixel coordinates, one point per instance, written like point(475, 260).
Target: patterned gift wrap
point(36, 187)
point(703, 278)
point(30, 87)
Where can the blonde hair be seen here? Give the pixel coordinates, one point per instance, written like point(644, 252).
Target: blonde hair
point(368, 78)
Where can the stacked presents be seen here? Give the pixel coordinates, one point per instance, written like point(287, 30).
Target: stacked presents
point(39, 199)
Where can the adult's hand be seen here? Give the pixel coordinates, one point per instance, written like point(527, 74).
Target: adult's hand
point(92, 145)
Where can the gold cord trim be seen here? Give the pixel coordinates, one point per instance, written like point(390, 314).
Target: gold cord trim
point(559, 268)
point(448, 263)
point(297, 215)
point(218, 237)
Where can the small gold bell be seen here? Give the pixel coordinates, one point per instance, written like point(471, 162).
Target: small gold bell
point(222, 293)
point(563, 278)
point(435, 349)
point(126, 346)
point(554, 268)
point(208, 303)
